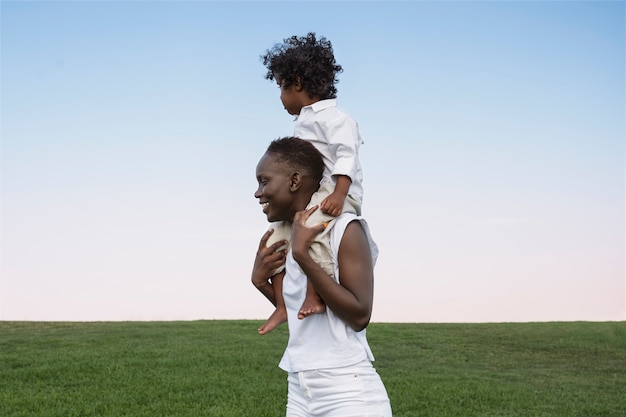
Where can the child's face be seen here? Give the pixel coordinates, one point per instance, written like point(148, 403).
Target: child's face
point(290, 97)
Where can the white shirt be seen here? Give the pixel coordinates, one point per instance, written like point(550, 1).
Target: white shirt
point(321, 341)
point(336, 135)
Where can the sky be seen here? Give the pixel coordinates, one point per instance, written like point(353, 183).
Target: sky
point(494, 155)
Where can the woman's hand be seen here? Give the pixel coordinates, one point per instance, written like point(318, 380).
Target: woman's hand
point(267, 260)
point(302, 236)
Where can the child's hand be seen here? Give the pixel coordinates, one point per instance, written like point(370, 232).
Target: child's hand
point(332, 205)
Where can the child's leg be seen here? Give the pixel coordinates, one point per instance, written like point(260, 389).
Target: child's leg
point(313, 303)
point(279, 316)
point(282, 231)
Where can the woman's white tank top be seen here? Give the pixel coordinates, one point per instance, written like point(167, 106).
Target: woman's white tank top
point(321, 341)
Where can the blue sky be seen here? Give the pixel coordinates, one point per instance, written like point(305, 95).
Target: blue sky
point(493, 157)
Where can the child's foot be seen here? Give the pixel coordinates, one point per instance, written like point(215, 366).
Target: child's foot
point(279, 316)
point(311, 305)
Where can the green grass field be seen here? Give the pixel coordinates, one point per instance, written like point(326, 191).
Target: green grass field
point(223, 368)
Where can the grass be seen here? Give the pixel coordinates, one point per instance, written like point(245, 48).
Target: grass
point(223, 368)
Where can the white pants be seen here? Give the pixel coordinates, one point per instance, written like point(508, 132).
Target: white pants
point(351, 391)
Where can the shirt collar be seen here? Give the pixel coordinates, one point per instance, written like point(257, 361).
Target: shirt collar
point(322, 104)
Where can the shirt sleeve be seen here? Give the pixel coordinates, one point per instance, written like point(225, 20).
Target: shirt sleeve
point(344, 141)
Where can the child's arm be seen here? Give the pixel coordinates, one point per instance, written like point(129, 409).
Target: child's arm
point(333, 204)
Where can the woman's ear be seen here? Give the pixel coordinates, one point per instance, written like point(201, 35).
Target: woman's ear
point(296, 181)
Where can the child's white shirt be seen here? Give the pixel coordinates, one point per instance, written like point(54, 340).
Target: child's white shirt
point(336, 135)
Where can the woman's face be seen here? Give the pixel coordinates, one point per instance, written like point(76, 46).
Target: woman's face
point(274, 191)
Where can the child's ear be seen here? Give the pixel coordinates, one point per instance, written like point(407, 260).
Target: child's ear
point(297, 84)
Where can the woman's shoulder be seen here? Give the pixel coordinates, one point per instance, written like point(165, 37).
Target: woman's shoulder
point(341, 224)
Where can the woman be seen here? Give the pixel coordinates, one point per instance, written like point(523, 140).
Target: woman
point(327, 358)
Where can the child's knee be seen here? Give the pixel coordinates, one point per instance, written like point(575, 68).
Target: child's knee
point(282, 231)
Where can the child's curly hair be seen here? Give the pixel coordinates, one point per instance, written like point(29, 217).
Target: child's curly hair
point(305, 58)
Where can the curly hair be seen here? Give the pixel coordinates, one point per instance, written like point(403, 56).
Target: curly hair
point(299, 154)
point(305, 58)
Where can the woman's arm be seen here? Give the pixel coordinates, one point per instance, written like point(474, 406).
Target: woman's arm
point(265, 263)
point(351, 299)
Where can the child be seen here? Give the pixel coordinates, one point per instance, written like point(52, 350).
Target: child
point(306, 73)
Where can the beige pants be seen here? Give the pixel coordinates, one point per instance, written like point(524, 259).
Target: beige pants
point(320, 248)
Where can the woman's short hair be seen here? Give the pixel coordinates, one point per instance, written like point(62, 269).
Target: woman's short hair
point(298, 154)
